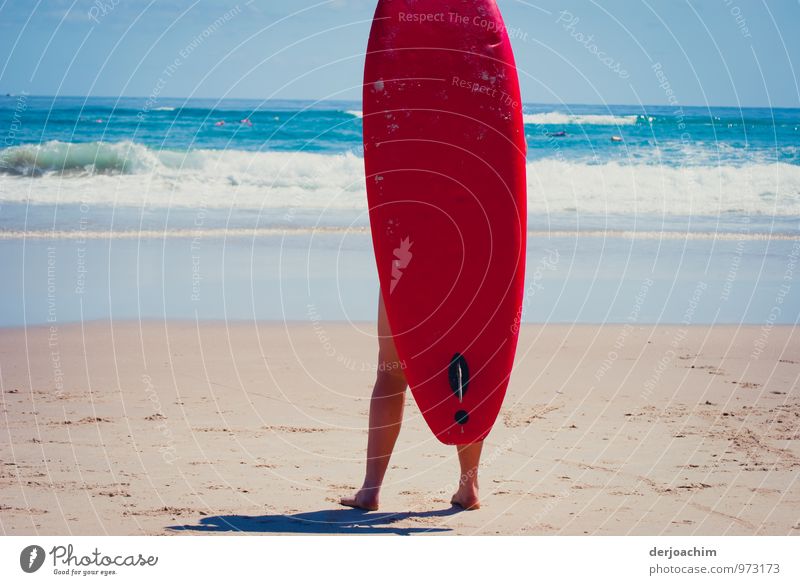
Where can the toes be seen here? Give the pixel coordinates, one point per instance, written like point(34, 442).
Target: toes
point(350, 502)
point(354, 503)
point(465, 504)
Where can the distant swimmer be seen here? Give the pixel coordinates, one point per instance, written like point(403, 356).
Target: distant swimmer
point(246, 121)
point(616, 138)
point(220, 123)
point(559, 134)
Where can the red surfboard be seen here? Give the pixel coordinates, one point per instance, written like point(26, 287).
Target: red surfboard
point(444, 151)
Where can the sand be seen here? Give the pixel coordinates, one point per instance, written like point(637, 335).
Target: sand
point(181, 427)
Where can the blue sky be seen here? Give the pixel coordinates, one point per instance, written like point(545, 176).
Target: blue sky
point(717, 52)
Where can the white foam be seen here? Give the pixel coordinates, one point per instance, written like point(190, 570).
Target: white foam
point(768, 189)
point(561, 119)
point(133, 175)
point(356, 113)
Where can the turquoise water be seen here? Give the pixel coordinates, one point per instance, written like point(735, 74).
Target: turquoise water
point(672, 136)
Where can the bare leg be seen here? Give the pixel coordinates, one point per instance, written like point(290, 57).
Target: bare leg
point(469, 457)
point(385, 417)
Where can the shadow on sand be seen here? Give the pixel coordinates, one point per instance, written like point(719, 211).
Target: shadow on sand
point(338, 521)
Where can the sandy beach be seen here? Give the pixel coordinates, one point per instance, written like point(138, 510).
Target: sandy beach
point(182, 427)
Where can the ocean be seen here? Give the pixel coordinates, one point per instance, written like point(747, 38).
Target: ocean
point(299, 164)
point(710, 188)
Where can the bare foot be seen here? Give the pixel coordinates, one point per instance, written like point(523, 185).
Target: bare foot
point(365, 499)
point(466, 497)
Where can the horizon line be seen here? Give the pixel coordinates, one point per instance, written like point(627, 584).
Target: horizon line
point(220, 99)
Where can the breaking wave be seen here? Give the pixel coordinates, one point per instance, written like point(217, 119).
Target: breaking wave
point(127, 173)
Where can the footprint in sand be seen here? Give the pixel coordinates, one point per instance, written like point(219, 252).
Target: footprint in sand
point(522, 416)
point(287, 429)
point(84, 421)
point(747, 384)
point(713, 370)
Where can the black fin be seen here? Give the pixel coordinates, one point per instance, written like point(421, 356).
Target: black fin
point(458, 375)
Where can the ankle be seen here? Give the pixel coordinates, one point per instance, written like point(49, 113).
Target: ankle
point(370, 487)
point(468, 482)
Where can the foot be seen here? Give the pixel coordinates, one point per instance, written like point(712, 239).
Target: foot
point(466, 497)
point(365, 499)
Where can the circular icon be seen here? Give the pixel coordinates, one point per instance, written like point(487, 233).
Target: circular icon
point(31, 558)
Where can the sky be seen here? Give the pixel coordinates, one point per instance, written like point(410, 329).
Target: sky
point(654, 52)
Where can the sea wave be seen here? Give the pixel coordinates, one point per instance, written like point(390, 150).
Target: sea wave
point(758, 188)
point(561, 119)
point(78, 158)
point(126, 173)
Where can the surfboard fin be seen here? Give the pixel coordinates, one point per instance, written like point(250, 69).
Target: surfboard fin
point(458, 375)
